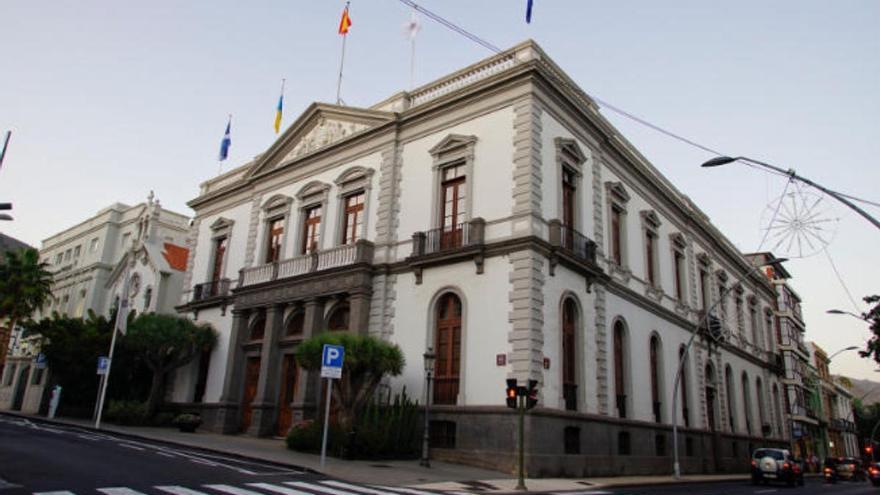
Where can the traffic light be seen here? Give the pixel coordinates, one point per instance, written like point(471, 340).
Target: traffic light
point(511, 393)
point(869, 449)
point(532, 394)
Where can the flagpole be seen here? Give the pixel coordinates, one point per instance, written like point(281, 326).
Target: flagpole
point(120, 313)
point(220, 157)
point(341, 63)
point(412, 63)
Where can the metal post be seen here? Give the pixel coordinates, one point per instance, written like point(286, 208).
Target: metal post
point(521, 412)
point(326, 422)
point(426, 438)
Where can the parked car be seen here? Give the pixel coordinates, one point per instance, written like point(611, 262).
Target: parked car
point(843, 469)
point(776, 465)
point(874, 473)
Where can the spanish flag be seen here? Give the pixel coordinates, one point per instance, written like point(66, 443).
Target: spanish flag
point(345, 22)
point(279, 109)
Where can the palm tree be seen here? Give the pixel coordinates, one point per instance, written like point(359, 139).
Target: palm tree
point(25, 286)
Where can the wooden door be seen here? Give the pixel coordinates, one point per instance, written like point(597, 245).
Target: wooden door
point(448, 345)
point(453, 213)
point(289, 376)
point(251, 378)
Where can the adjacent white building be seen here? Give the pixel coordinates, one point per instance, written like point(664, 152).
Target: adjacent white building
point(496, 219)
point(90, 263)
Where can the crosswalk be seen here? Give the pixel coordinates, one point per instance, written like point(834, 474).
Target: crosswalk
point(319, 487)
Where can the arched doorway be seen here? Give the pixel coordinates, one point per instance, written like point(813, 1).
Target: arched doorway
point(569, 354)
point(447, 341)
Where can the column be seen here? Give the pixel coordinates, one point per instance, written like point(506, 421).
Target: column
point(226, 419)
point(359, 312)
point(308, 383)
point(263, 418)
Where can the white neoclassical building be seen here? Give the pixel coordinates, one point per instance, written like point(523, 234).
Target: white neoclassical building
point(495, 218)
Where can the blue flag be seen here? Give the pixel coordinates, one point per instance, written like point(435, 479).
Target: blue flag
point(227, 141)
point(529, 12)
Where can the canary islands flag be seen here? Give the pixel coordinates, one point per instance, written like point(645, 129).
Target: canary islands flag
point(278, 111)
point(345, 22)
point(227, 141)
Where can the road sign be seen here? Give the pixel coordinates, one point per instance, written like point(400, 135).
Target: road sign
point(40, 362)
point(331, 361)
point(103, 364)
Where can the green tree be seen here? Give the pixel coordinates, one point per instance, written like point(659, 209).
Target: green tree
point(164, 343)
point(367, 360)
point(25, 285)
point(872, 316)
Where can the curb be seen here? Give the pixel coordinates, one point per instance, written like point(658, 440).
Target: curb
point(134, 436)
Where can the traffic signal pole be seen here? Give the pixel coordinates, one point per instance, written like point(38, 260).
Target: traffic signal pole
point(521, 472)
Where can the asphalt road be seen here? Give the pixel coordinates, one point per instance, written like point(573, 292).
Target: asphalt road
point(44, 459)
point(813, 486)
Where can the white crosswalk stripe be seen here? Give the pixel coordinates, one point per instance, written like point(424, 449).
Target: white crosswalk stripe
point(119, 491)
point(179, 490)
point(232, 490)
point(318, 488)
point(283, 490)
point(349, 486)
point(55, 493)
point(410, 491)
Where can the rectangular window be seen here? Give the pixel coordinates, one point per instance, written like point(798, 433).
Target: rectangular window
point(689, 447)
point(660, 445)
point(353, 218)
point(67, 255)
point(275, 236)
point(442, 434)
point(125, 238)
point(623, 443)
point(568, 197)
point(650, 255)
point(93, 246)
point(76, 251)
point(572, 440)
point(678, 261)
point(704, 289)
point(219, 254)
point(616, 247)
point(59, 258)
point(311, 229)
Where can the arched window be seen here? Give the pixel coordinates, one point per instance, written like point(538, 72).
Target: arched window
point(295, 324)
point(148, 298)
point(711, 406)
point(620, 368)
point(258, 328)
point(683, 385)
point(339, 318)
point(656, 377)
point(762, 420)
point(448, 345)
point(747, 402)
point(777, 406)
point(731, 394)
point(569, 354)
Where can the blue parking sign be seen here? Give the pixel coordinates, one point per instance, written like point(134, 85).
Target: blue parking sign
point(103, 364)
point(331, 361)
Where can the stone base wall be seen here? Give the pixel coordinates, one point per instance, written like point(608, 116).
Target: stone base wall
point(596, 446)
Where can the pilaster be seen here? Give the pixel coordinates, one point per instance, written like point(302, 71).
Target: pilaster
point(263, 419)
point(192, 241)
point(526, 315)
point(227, 420)
point(527, 170)
point(253, 226)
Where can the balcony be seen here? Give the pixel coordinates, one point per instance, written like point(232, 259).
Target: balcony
point(208, 290)
point(575, 250)
point(317, 261)
point(448, 244)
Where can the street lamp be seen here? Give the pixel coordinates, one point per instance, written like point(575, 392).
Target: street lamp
point(842, 312)
point(850, 348)
point(724, 160)
point(429, 357)
point(703, 321)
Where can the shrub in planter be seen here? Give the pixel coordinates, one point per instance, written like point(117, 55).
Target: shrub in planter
point(306, 437)
point(126, 412)
point(187, 422)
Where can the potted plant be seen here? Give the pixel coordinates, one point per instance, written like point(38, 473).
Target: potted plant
point(187, 422)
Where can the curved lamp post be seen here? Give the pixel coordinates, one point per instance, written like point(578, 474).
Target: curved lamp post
point(703, 321)
point(724, 160)
point(850, 348)
point(429, 357)
point(842, 312)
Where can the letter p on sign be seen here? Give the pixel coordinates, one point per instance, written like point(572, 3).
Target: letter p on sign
point(331, 361)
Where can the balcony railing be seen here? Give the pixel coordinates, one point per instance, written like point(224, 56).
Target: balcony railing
point(449, 238)
point(349, 254)
point(569, 239)
point(207, 290)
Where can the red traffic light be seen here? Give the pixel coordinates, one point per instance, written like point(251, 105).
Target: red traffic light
point(868, 449)
point(510, 393)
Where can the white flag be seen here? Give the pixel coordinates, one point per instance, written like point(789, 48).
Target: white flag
point(412, 27)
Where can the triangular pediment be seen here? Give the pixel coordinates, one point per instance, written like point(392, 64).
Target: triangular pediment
point(320, 126)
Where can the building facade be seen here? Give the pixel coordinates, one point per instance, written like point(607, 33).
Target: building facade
point(495, 218)
point(836, 423)
point(90, 264)
point(84, 258)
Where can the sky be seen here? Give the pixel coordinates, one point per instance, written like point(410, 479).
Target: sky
point(108, 100)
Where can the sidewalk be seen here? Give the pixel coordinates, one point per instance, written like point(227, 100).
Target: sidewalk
point(440, 476)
